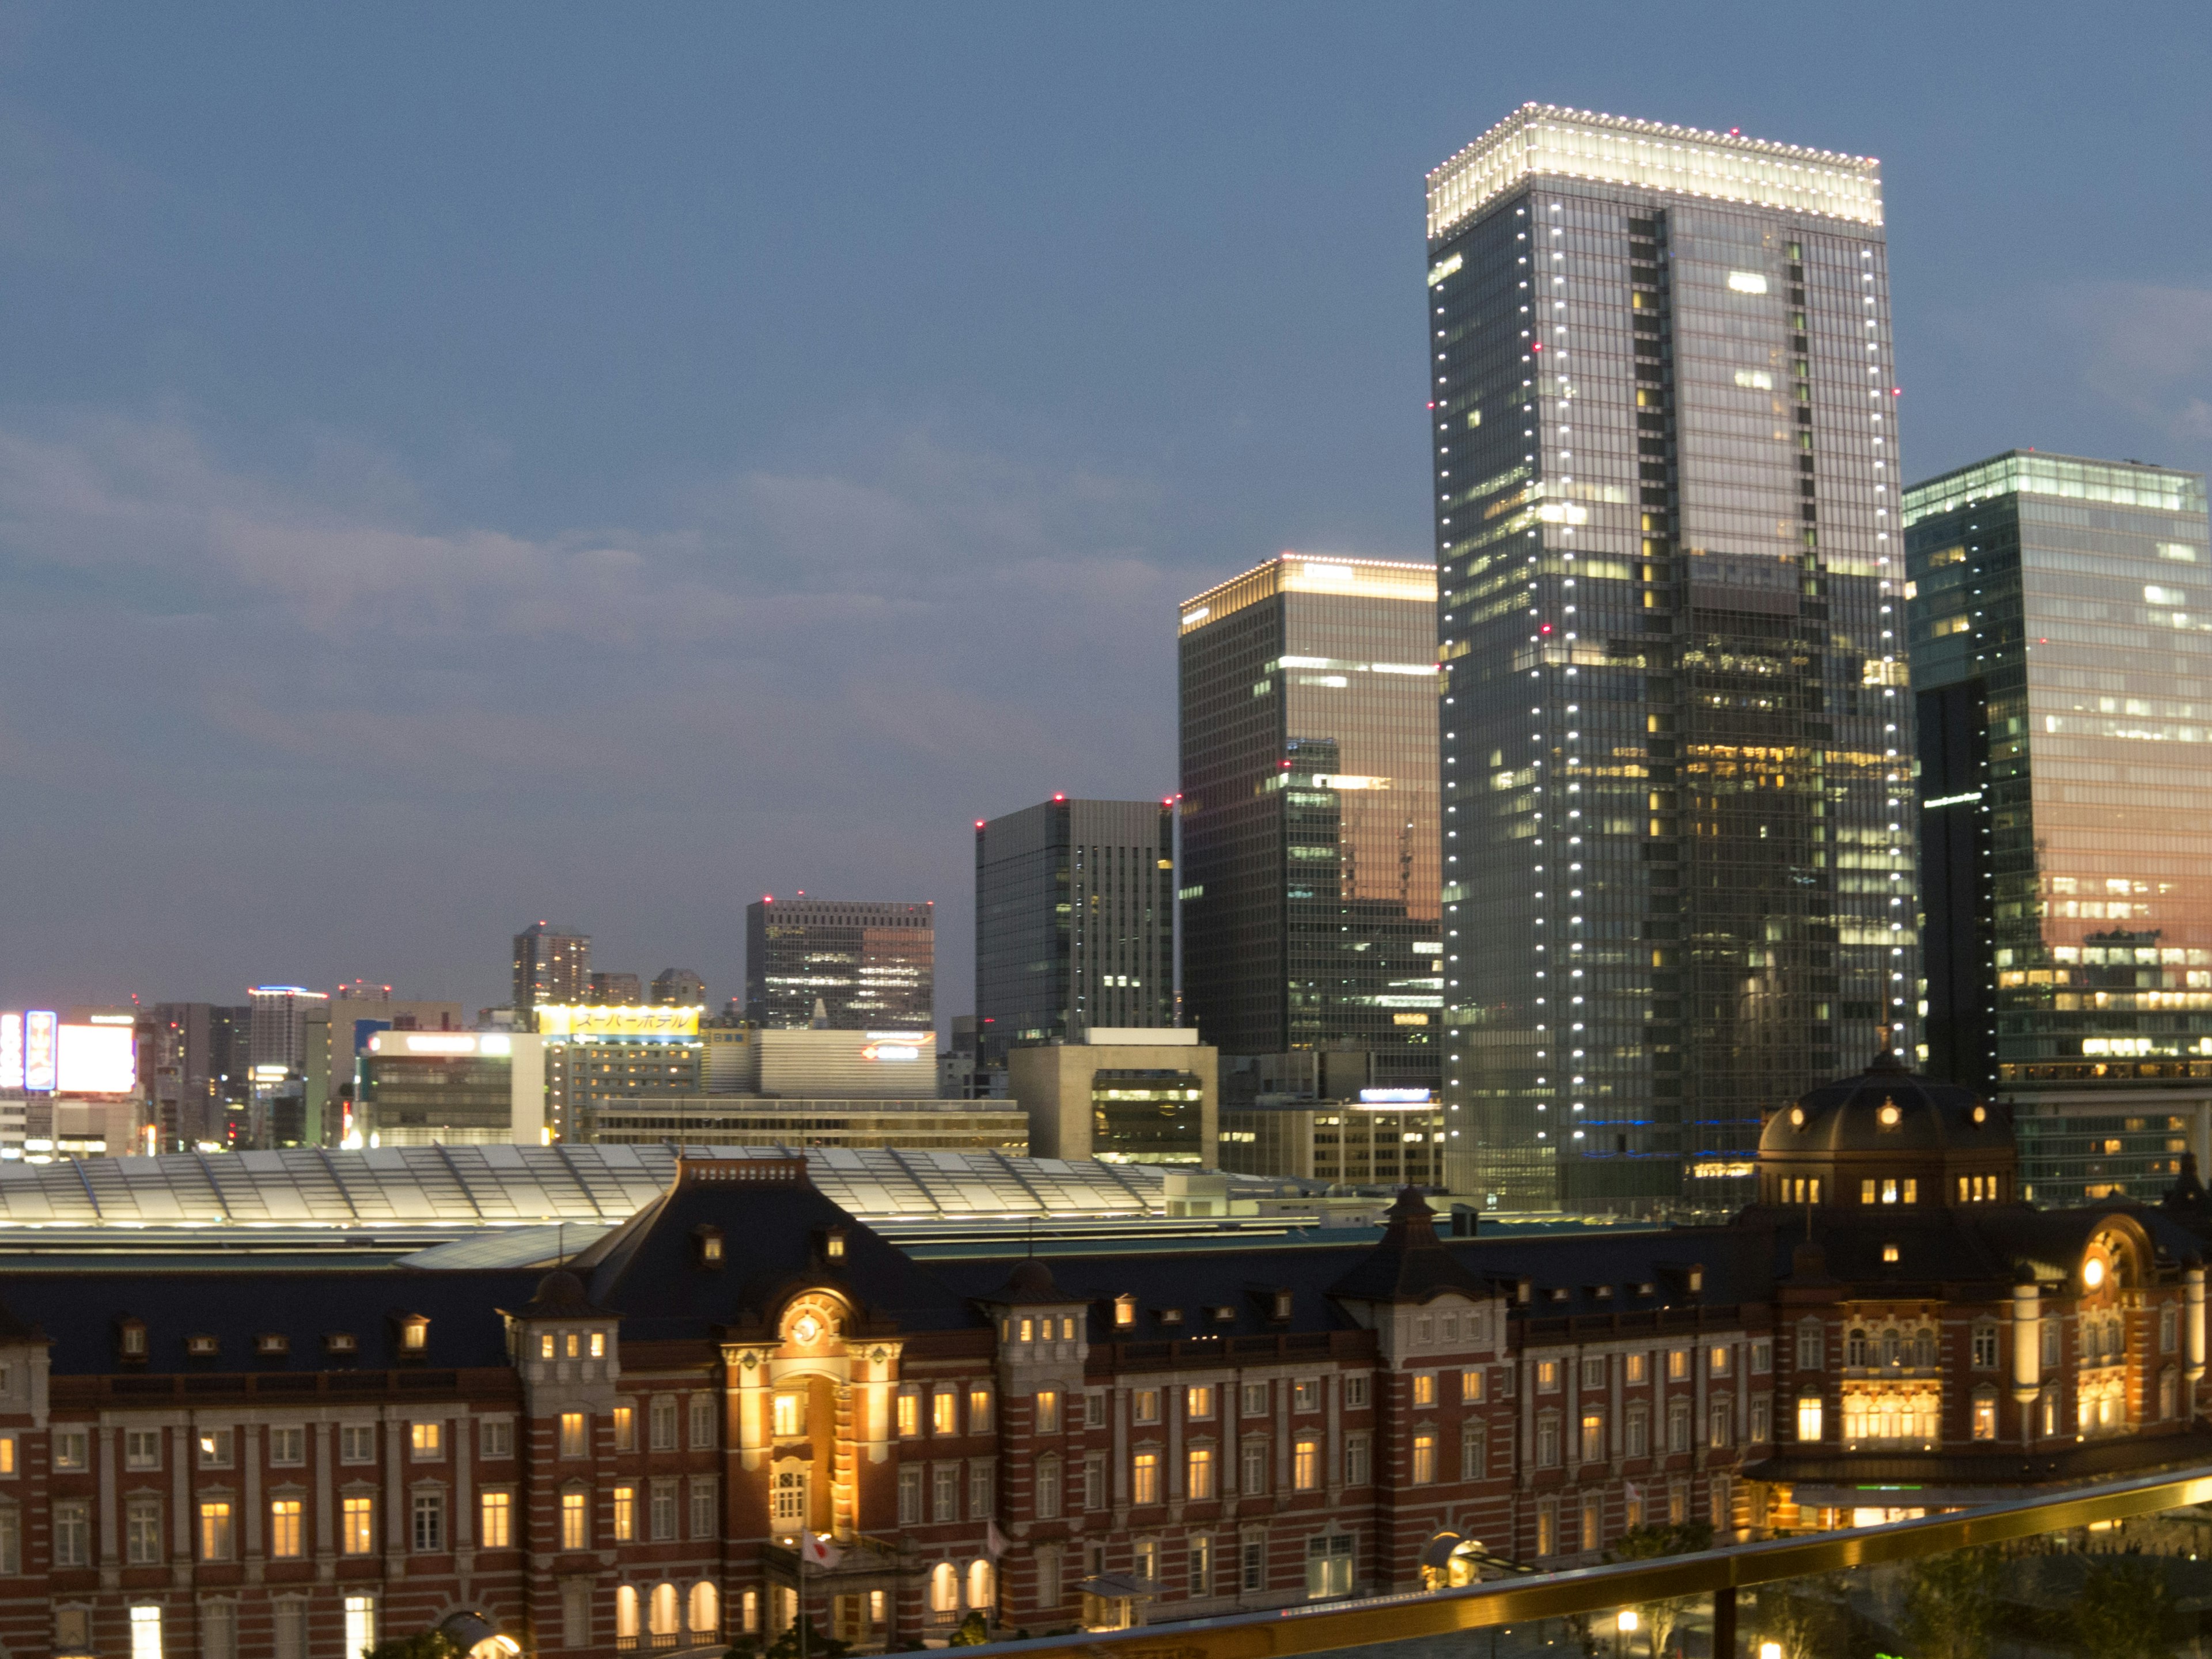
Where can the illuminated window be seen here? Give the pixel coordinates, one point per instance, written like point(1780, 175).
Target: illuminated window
point(429, 1440)
point(1470, 1386)
point(1424, 1388)
point(1047, 1411)
point(599, 1345)
point(1305, 1464)
point(1144, 1405)
point(1197, 1403)
point(625, 1514)
point(495, 1520)
point(625, 1421)
point(145, 1632)
point(545, 1346)
point(1985, 1414)
point(944, 1411)
point(1198, 1471)
point(575, 1520)
point(1547, 1376)
point(1145, 1478)
point(1592, 1436)
point(910, 1412)
point(285, 1540)
point(1678, 1364)
point(1808, 1417)
point(357, 1525)
point(1425, 1458)
point(789, 1412)
point(572, 1434)
point(979, 1409)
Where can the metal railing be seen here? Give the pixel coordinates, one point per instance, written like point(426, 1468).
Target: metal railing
point(1319, 1627)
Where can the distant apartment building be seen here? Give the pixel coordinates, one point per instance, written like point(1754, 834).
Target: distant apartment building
point(551, 964)
point(2061, 623)
point(1074, 921)
point(616, 990)
point(870, 966)
point(679, 988)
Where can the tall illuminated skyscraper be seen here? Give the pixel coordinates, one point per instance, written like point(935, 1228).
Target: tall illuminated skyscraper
point(1678, 847)
point(552, 964)
point(869, 965)
point(1309, 730)
point(2062, 660)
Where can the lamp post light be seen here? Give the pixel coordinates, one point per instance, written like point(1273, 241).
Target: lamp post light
point(1624, 1627)
point(1770, 1651)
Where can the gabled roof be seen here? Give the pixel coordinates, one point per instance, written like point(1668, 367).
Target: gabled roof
point(774, 1224)
point(1411, 1264)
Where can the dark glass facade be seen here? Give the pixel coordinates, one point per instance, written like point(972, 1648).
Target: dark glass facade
point(1309, 821)
point(2062, 658)
point(1074, 921)
point(1147, 1114)
point(1678, 857)
point(872, 966)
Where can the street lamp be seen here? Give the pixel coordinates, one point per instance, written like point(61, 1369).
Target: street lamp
point(1770, 1651)
point(1624, 1627)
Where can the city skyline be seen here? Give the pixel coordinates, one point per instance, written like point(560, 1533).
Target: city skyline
point(316, 549)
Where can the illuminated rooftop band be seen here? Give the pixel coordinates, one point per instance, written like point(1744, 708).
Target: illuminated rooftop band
point(1295, 573)
point(2024, 472)
point(1567, 143)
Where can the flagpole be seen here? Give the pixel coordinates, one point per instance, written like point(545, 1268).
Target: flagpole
point(805, 1537)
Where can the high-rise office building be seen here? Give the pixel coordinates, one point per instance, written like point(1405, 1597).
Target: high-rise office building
point(1074, 921)
point(1308, 690)
point(870, 966)
point(279, 1034)
point(2062, 661)
point(551, 964)
point(1678, 859)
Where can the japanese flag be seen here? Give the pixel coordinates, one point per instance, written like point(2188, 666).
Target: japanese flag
point(817, 1551)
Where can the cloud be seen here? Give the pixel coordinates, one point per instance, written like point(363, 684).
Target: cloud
point(2148, 349)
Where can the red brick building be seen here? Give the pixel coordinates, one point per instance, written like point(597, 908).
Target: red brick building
point(627, 1451)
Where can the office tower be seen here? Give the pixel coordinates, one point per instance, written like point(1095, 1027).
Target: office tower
point(1308, 690)
point(357, 1012)
point(870, 966)
point(1678, 864)
point(679, 988)
point(613, 990)
point(551, 964)
point(1074, 921)
point(2062, 661)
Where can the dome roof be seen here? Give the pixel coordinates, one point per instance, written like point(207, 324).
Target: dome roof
point(1886, 1109)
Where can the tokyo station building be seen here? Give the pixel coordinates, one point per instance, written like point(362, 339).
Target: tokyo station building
point(622, 1453)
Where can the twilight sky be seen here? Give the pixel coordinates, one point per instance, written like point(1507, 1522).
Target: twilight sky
point(463, 465)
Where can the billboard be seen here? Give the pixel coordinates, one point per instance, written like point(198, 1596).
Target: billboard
point(96, 1059)
point(588, 1020)
point(39, 1028)
point(11, 1051)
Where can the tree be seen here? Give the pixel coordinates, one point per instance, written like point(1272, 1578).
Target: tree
point(1660, 1618)
point(1804, 1626)
point(2121, 1612)
point(975, 1631)
point(1950, 1603)
point(816, 1644)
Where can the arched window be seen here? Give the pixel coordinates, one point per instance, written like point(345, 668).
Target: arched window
point(944, 1589)
point(662, 1619)
point(706, 1608)
point(626, 1613)
point(981, 1591)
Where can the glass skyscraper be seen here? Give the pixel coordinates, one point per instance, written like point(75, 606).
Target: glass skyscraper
point(1678, 849)
point(1074, 921)
point(1308, 692)
point(2062, 660)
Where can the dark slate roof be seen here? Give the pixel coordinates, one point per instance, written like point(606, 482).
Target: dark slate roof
point(2100, 1459)
point(1995, 1245)
point(82, 1312)
point(1844, 1116)
point(772, 1231)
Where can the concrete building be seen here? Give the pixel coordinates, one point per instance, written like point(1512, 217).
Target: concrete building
point(758, 1120)
point(1387, 1136)
point(1123, 1096)
point(679, 988)
point(453, 1089)
point(597, 1054)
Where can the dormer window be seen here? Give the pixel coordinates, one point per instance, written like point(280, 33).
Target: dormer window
point(202, 1346)
point(1283, 1303)
point(272, 1344)
point(547, 1344)
point(1224, 1315)
point(599, 1345)
point(1169, 1316)
point(1028, 1330)
point(341, 1342)
point(1889, 1253)
point(131, 1338)
point(707, 1242)
point(833, 1244)
point(414, 1334)
point(1125, 1312)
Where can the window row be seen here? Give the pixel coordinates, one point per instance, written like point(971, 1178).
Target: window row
point(427, 1442)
